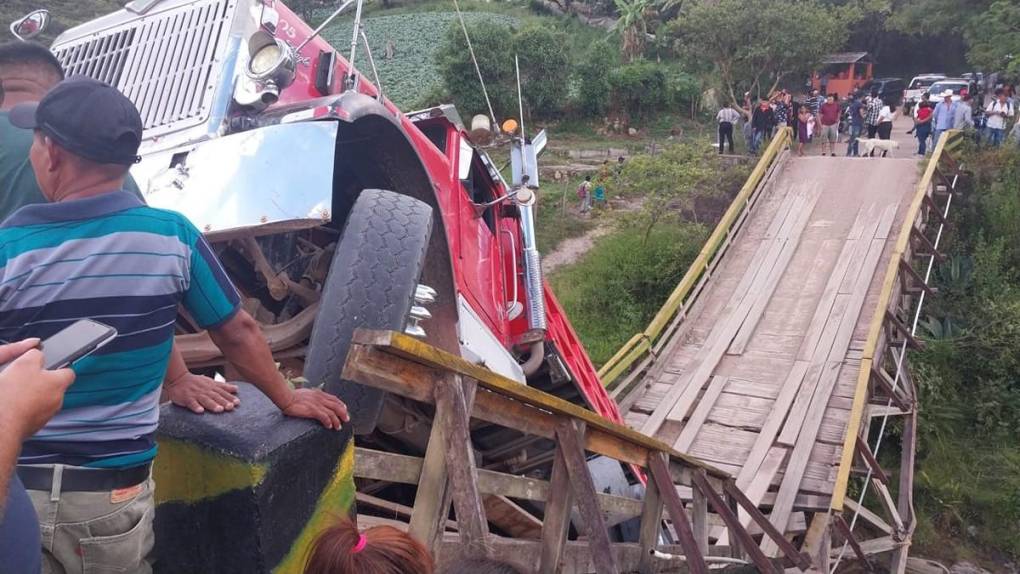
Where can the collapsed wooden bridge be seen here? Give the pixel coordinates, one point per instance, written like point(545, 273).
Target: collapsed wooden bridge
point(754, 398)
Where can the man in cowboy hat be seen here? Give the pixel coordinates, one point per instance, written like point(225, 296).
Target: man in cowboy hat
point(944, 117)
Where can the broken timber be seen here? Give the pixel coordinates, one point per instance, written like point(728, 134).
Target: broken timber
point(460, 390)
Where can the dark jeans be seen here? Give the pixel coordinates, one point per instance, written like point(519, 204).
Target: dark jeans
point(756, 140)
point(872, 131)
point(922, 132)
point(884, 130)
point(852, 147)
point(725, 134)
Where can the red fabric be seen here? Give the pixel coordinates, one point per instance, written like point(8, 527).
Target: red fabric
point(924, 113)
point(829, 113)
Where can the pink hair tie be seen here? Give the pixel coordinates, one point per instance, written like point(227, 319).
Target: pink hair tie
point(362, 543)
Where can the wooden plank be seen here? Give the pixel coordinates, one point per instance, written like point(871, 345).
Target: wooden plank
point(767, 527)
point(556, 522)
point(885, 498)
point(905, 504)
point(767, 435)
point(869, 459)
point(433, 497)
point(848, 535)
point(511, 518)
point(883, 380)
point(750, 323)
point(699, 519)
point(818, 321)
point(651, 525)
point(571, 449)
point(870, 517)
point(394, 508)
point(511, 404)
point(404, 469)
point(683, 443)
point(724, 511)
point(460, 462)
point(805, 441)
point(675, 507)
point(678, 402)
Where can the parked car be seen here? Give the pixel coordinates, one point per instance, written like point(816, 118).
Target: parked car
point(956, 85)
point(918, 86)
point(887, 88)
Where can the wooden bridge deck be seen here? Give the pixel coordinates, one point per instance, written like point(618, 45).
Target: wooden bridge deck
point(760, 379)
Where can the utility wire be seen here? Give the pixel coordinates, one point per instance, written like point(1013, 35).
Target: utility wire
point(460, 16)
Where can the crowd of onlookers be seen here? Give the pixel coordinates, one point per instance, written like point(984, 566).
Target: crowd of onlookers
point(824, 120)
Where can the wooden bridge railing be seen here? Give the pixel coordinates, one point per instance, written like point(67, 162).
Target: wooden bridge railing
point(884, 386)
point(448, 473)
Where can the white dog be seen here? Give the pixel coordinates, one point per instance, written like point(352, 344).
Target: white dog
point(869, 145)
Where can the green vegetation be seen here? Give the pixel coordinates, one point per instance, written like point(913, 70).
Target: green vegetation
point(618, 286)
point(411, 78)
point(556, 217)
point(614, 290)
point(968, 476)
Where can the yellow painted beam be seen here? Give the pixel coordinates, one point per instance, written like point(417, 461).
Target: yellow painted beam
point(948, 140)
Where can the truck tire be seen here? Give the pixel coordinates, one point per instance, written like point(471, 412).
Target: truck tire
point(371, 283)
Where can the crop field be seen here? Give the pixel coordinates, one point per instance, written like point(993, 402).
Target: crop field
point(410, 77)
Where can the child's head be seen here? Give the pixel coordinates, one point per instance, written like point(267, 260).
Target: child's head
point(341, 549)
point(587, 178)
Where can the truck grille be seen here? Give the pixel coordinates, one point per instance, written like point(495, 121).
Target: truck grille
point(164, 62)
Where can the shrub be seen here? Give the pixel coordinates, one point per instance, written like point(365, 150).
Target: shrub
point(545, 69)
point(638, 88)
point(592, 78)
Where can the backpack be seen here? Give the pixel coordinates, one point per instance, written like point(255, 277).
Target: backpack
point(582, 190)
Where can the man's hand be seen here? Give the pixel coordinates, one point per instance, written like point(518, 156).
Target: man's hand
point(201, 394)
point(31, 395)
point(318, 405)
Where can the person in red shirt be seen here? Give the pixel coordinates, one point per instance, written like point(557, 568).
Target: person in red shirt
point(829, 132)
point(922, 126)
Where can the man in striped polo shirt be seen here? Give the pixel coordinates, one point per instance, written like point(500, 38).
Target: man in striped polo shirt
point(97, 252)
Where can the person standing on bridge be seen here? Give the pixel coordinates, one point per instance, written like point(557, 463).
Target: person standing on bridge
point(944, 116)
point(829, 117)
point(727, 118)
point(804, 119)
point(855, 119)
point(873, 111)
point(886, 116)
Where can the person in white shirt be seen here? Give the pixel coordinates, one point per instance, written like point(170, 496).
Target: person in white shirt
point(727, 118)
point(998, 113)
point(885, 122)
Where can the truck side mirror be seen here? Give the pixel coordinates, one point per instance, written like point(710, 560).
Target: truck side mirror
point(30, 25)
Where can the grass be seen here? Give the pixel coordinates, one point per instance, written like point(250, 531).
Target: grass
point(618, 286)
point(553, 225)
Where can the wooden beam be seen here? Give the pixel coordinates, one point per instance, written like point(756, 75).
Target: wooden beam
point(897, 325)
point(935, 209)
point(511, 518)
point(844, 530)
point(432, 499)
point(392, 508)
point(675, 507)
point(869, 459)
point(557, 517)
point(699, 520)
point(403, 365)
point(767, 527)
point(758, 557)
point(460, 463)
point(870, 517)
point(884, 381)
point(569, 438)
point(928, 248)
point(651, 526)
point(887, 503)
point(404, 469)
point(912, 280)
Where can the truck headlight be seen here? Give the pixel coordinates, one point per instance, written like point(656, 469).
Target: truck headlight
point(270, 60)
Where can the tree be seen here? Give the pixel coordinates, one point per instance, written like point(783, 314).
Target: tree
point(994, 38)
point(756, 44)
point(633, 26)
point(545, 68)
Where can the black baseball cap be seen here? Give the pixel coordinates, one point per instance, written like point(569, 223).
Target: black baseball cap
point(88, 118)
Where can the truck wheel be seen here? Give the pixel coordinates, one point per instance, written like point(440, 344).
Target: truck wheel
point(371, 283)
